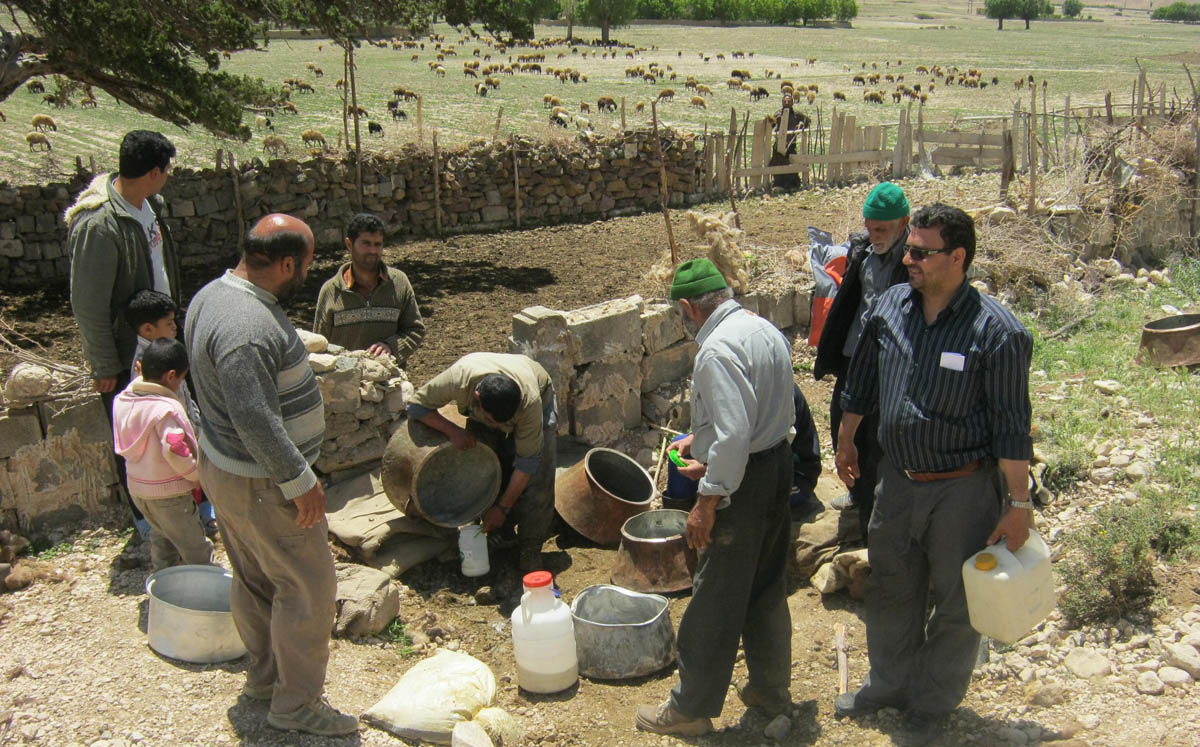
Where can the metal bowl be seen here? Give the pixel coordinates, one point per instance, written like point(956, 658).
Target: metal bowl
point(621, 633)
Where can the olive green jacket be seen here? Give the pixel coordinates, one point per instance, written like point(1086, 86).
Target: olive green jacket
point(110, 261)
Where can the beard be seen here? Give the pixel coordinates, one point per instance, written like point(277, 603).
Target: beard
point(289, 289)
point(690, 328)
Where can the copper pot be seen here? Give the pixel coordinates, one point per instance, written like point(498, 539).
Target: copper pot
point(654, 556)
point(597, 494)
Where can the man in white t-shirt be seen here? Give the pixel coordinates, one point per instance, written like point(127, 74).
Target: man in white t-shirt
point(118, 246)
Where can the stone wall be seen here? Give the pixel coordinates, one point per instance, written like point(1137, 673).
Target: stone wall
point(588, 179)
point(620, 365)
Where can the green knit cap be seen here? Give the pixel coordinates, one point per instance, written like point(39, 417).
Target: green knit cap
point(886, 202)
point(695, 278)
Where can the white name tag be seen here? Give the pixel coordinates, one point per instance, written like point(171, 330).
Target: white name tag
point(953, 361)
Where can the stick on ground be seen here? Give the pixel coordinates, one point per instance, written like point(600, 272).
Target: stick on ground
point(843, 664)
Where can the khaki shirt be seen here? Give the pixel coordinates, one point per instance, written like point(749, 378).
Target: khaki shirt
point(457, 384)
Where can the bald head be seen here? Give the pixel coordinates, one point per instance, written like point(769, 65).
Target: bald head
point(276, 237)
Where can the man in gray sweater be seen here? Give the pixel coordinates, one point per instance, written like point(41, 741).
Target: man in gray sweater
point(263, 423)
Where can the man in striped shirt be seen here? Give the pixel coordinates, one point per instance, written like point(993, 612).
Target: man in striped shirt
point(263, 426)
point(947, 369)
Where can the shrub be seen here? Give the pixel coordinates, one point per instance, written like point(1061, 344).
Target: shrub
point(1072, 8)
point(1179, 11)
point(1108, 569)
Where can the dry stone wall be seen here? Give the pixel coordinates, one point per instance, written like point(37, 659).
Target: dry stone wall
point(207, 209)
point(625, 363)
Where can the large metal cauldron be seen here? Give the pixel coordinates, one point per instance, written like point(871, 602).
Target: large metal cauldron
point(424, 475)
point(620, 633)
point(654, 556)
point(190, 617)
point(1173, 341)
point(596, 495)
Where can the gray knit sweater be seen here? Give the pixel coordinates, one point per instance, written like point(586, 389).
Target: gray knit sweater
point(260, 404)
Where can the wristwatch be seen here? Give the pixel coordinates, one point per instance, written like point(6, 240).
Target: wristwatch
point(1027, 505)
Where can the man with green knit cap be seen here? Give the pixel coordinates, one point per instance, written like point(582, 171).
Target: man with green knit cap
point(873, 265)
point(742, 409)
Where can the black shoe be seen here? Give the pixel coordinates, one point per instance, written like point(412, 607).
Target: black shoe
point(918, 729)
point(852, 705)
point(769, 704)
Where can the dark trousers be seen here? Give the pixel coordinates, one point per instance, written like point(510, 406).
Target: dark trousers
point(921, 533)
point(740, 592)
point(866, 440)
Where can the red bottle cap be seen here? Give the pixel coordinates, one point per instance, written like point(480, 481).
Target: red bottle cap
point(537, 579)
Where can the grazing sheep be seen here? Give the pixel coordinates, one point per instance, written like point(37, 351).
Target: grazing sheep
point(839, 96)
point(546, 99)
point(308, 137)
point(639, 107)
point(858, 80)
point(759, 93)
point(43, 122)
point(440, 71)
point(733, 83)
point(358, 110)
point(699, 103)
point(583, 123)
point(481, 89)
point(37, 138)
point(470, 71)
point(89, 102)
point(493, 82)
point(262, 123)
point(666, 94)
point(560, 120)
point(399, 114)
point(584, 108)
point(606, 104)
point(35, 86)
point(318, 72)
point(303, 87)
point(3, 118)
point(289, 107)
point(273, 144)
point(810, 97)
point(374, 128)
point(704, 90)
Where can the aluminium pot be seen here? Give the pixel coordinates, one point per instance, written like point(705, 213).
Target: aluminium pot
point(190, 617)
point(621, 633)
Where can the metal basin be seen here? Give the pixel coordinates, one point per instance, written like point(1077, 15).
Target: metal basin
point(190, 617)
point(424, 475)
point(1173, 341)
point(596, 495)
point(654, 556)
point(621, 633)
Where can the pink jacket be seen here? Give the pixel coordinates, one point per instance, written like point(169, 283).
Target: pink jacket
point(151, 430)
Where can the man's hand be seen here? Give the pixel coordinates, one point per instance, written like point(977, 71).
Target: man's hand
point(380, 348)
point(700, 522)
point(104, 386)
point(846, 461)
point(1013, 527)
point(493, 519)
point(310, 507)
point(461, 438)
point(683, 445)
point(694, 470)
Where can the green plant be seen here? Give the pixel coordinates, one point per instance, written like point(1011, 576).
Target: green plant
point(395, 633)
point(925, 16)
point(46, 551)
point(1072, 8)
point(1107, 572)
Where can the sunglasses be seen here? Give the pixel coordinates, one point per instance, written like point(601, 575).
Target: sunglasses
point(920, 254)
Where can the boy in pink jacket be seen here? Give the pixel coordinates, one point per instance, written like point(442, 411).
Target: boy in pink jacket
point(152, 432)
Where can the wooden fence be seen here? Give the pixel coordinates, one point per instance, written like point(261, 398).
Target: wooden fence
point(1029, 140)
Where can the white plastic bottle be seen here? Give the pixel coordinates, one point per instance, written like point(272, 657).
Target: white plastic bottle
point(1009, 593)
point(543, 638)
point(473, 549)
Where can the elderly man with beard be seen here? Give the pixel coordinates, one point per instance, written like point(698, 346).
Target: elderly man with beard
point(742, 388)
point(263, 423)
point(368, 305)
point(873, 265)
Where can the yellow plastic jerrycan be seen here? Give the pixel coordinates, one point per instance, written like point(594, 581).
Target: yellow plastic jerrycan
point(1009, 593)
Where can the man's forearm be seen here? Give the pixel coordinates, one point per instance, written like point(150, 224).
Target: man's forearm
point(438, 422)
point(516, 486)
point(848, 427)
point(1016, 474)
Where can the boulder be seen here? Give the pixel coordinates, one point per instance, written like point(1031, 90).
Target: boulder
point(1148, 683)
point(313, 342)
point(1185, 657)
point(1087, 663)
point(27, 382)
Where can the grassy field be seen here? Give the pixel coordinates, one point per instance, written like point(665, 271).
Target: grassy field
point(1083, 59)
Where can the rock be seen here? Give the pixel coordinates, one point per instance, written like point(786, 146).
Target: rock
point(1103, 475)
point(485, 595)
point(1184, 657)
point(1045, 694)
point(1148, 683)
point(313, 342)
point(778, 728)
point(1137, 471)
point(1086, 663)
point(1107, 386)
point(1012, 735)
point(1088, 720)
point(1001, 215)
point(27, 381)
point(374, 370)
point(321, 362)
point(1174, 677)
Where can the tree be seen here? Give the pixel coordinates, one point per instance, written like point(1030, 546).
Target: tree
point(1001, 9)
point(812, 10)
point(845, 10)
point(608, 13)
point(1072, 8)
point(1028, 10)
point(512, 18)
point(161, 57)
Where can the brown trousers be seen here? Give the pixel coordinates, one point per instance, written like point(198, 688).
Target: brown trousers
point(284, 585)
point(177, 536)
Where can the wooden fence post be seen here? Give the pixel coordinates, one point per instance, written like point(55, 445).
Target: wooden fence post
point(237, 200)
point(1045, 132)
point(662, 183)
point(1007, 166)
point(1108, 112)
point(437, 189)
point(622, 114)
point(516, 179)
point(1032, 152)
point(420, 121)
point(496, 130)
